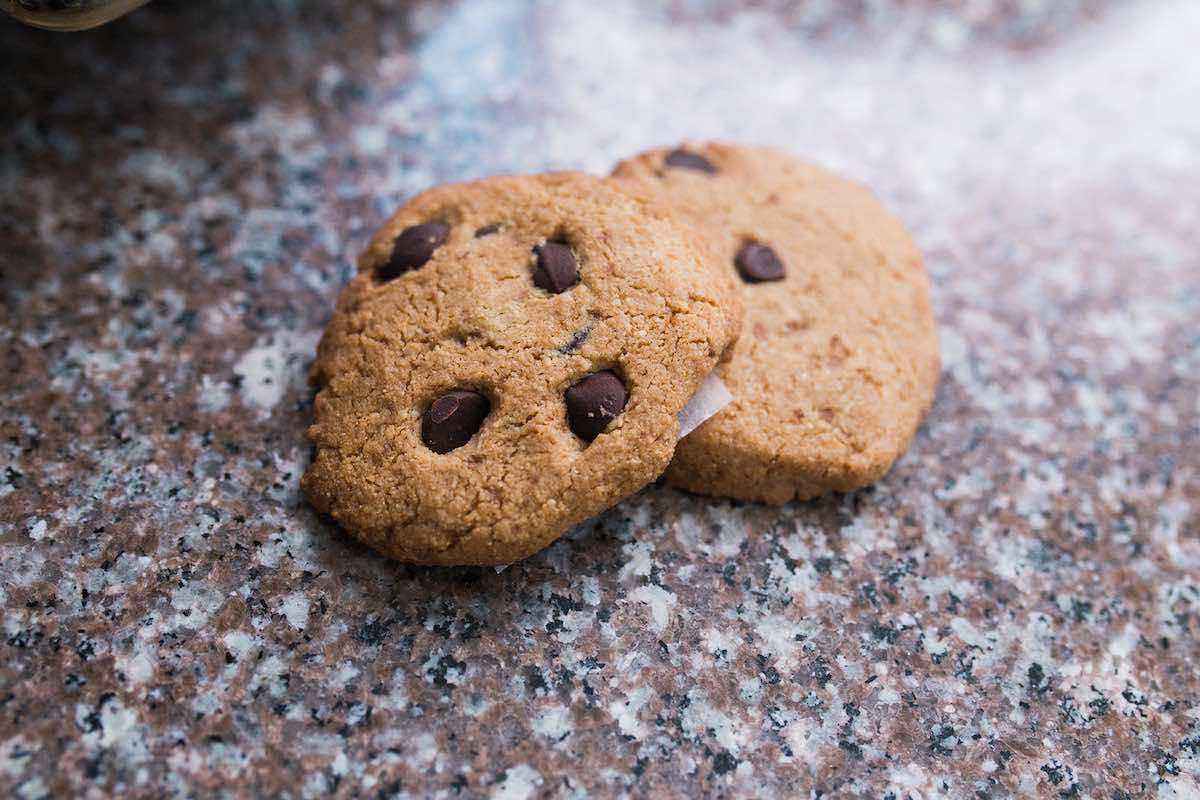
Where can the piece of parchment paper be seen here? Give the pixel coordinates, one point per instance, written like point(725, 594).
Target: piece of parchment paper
point(710, 398)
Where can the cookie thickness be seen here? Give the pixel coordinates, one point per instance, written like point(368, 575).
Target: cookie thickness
point(838, 358)
point(509, 361)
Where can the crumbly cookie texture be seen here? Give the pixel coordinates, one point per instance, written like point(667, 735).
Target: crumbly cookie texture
point(838, 357)
point(508, 362)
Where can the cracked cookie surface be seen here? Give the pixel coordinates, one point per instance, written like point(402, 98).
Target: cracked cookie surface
point(508, 362)
point(838, 357)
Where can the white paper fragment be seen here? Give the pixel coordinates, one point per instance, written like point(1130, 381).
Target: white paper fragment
point(710, 398)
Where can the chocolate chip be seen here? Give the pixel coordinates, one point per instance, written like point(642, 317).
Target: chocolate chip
point(556, 269)
point(593, 402)
point(487, 230)
point(686, 159)
point(757, 263)
point(413, 247)
point(452, 419)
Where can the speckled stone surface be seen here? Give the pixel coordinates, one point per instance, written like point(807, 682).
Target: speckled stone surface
point(1011, 612)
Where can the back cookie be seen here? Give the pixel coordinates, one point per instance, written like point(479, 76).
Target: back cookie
point(838, 357)
point(508, 362)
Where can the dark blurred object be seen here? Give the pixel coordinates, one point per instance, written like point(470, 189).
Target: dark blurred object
point(69, 15)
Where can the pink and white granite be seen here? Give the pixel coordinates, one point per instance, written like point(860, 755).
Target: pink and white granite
point(1012, 612)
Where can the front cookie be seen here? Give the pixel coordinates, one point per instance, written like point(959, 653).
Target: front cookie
point(508, 362)
point(838, 358)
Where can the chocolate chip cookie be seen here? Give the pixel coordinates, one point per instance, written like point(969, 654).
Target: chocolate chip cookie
point(508, 361)
point(838, 358)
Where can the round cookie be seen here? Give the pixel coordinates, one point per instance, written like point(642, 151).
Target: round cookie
point(507, 362)
point(838, 357)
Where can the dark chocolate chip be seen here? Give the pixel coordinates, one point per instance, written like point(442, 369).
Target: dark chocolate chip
point(686, 159)
point(452, 419)
point(413, 247)
point(594, 402)
point(556, 269)
point(487, 230)
point(757, 263)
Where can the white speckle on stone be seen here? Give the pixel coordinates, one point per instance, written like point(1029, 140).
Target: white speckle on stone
point(371, 139)
point(797, 548)
point(971, 485)
point(687, 531)
point(239, 643)
point(851, 669)
point(780, 637)
point(137, 667)
point(626, 712)
point(866, 533)
point(196, 603)
point(723, 645)
point(660, 601)
point(33, 789)
point(554, 723)
point(425, 749)
point(158, 169)
point(750, 690)
point(213, 395)
point(119, 725)
point(639, 515)
point(968, 633)
point(730, 539)
point(14, 756)
point(396, 698)
point(701, 719)
point(1180, 787)
point(274, 365)
point(315, 785)
point(1119, 647)
point(163, 249)
point(638, 561)
point(520, 783)
point(574, 623)
point(206, 703)
point(341, 676)
point(591, 591)
point(889, 697)
point(295, 609)
point(37, 531)
point(269, 673)
point(911, 778)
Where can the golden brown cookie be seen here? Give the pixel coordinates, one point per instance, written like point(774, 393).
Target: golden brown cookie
point(838, 357)
point(509, 361)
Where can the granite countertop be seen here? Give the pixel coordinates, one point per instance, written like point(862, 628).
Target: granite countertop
point(1011, 612)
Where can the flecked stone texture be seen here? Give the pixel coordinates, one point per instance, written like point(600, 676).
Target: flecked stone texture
point(1011, 612)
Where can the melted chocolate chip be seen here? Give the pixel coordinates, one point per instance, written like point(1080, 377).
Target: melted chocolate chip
point(412, 248)
point(757, 263)
point(593, 402)
point(556, 269)
point(487, 230)
point(452, 419)
point(686, 159)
